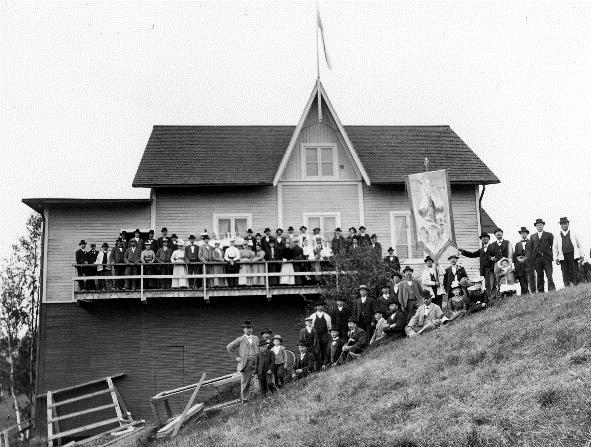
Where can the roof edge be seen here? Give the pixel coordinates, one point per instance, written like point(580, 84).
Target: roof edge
point(38, 204)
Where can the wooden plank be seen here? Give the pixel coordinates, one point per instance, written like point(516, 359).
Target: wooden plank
point(82, 385)
point(222, 405)
point(84, 428)
point(115, 400)
point(84, 396)
point(80, 413)
point(157, 420)
point(49, 418)
point(167, 429)
point(182, 417)
point(166, 394)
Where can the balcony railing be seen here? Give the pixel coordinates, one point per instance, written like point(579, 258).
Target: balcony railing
point(204, 283)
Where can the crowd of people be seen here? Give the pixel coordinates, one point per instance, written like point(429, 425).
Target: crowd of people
point(407, 306)
point(283, 254)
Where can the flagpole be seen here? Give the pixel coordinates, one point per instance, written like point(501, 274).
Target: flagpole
point(317, 52)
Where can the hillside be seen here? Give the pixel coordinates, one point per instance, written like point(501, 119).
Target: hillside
point(519, 373)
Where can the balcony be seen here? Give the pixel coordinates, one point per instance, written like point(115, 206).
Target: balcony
point(263, 278)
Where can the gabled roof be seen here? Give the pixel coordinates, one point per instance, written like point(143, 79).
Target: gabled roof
point(38, 204)
point(486, 223)
point(251, 155)
point(318, 91)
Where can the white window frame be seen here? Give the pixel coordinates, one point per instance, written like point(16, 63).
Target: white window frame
point(325, 232)
point(412, 255)
point(231, 216)
point(335, 161)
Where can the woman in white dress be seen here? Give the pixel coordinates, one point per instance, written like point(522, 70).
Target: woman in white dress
point(287, 277)
point(246, 255)
point(258, 266)
point(180, 267)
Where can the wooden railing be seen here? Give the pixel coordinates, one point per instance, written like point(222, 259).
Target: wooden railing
point(313, 270)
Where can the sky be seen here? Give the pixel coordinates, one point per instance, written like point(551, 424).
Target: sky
point(82, 84)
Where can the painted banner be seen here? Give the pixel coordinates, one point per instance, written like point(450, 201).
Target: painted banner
point(429, 195)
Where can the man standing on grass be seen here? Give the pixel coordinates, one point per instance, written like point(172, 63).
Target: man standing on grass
point(540, 253)
point(246, 350)
point(486, 265)
point(567, 252)
point(523, 269)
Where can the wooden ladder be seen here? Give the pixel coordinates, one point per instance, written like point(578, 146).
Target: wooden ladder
point(121, 416)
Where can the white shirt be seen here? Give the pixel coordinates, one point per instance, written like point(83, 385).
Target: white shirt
point(302, 356)
point(427, 309)
point(249, 338)
point(232, 253)
point(454, 269)
point(564, 233)
point(386, 297)
point(276, 349)
point(540, 234)
point(340, 308)
point(319, 314)
point(309, 329)
point(363, 299)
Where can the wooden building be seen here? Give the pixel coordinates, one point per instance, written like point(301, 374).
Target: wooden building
point(317, 173)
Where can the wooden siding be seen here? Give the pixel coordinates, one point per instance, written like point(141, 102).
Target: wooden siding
point(190, 211)
point(68, 225)
point(381, 200)
point(321, 132)
point(158, 346)
point(311, 198)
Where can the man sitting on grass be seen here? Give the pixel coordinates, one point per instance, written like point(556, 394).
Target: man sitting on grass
point(428, 316)
point(396, 322)
point(305, 362)
point(356, 343)
point(477, 296)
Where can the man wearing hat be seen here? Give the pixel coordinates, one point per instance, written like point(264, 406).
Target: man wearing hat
point(427, 317)
point(385, 297)
point(356, 341)
point(395, 285)
point(280, 242)
point(338, 243)
point(540, 254)
point(148, 257)
point(322, 323)
point(151, 241)
point(104, 262)
point(396, 321)
point(267, 238)
point(266, 334)
point(302, 235)
point(453, 273)
point(132, 258)
point(364, 309)
point(363, 238)
point(117, 259)
point(523, 271)
point(246, 350)
point(139, 243)
point(309, 336)
point(232, 257)
point(567, 252)
point(192, 257)
point(91, 270)
point(163, 257)
point(82, 260)
point(305, 362)
point(340, 316)
point(264, 368)
point(250, 237)
point(486, 265)
point(392, 261)
point(334, 349)
point(410, 292)
point(206, 257)
point(477, 297)
point(164, 232)
point(375, 246)
point(379, 316)
point(431, 281)
point(352, 234)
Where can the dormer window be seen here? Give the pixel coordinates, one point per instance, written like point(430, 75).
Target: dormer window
point(319, 161)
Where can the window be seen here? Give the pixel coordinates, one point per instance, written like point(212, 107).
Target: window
point(231, 225)
point(403, 237)
point(319, 161)
point(327, 222)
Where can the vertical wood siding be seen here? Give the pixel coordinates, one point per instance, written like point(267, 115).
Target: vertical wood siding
point(68, 225)
point(299, 199)
point(158, 346)
point(380, 200)
point(324, 132)
point(190, 211)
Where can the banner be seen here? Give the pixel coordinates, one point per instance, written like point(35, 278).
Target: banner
point(429, 196)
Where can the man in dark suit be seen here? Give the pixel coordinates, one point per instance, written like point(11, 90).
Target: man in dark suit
point(272, 254)
point(410, 292)
point(91, 270)
point(392, 262)
point(83, 261)
point(356, 343)
point(163, 256)
point(250, 237)
point(279, 242)
point(159, 243)
point(523, 270)
point(334, 349)
point(298, 255)
point(192, 257)
point(396, 321)
point(305, 362)
point(540, 254)
point(132, 258)
point(453, 273)
point(139, 243)
point(500, 248)
point(206, 257)
point(267, 238)
point(262, 368)
point(338, 243)
point(363, 238)
point(309, 336)
point(364, 309)
point(486, 265)
point(118, 258)
point(340, 316)
point(375, 246)
point(152, 243)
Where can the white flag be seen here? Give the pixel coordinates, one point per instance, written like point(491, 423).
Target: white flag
point(319, 20)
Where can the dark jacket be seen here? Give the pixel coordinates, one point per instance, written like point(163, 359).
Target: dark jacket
point(118, 256)
point(132, 257)
point(81, 256)
point(340, 318)
point(357, 338)
point(192, 256)
point(333, 353)
point(399, 319)
point(500, 252)
point(264, 361)
point(540, 248)
point(309, 339)
point(307, 365)
point(367, 308)
point(520, 250)
point(484, 255)
point(338, 244)
point(393, 264)
point(449, 277)
point(163, 256)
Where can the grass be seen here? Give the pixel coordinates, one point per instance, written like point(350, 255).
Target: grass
point(516, 374)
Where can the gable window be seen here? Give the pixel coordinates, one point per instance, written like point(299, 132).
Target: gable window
point(231, 225)
point(319, 161)
point(403, 237)
point(327, 222)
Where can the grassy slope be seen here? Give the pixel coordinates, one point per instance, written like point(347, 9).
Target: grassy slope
point(505, 376)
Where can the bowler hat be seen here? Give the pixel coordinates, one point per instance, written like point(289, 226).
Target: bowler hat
point(397, 274)
point(361, 228)
point(380, 310)
point(191, 237)
point(308, 319)
point(164, 229)
point(173, 235)
point(247, 323)
point(278, 230)
point(374, 236)
point(426, 294)
point(82, 242)
point(316, 229)
point(267, 331)
point(137, 230)
point(539, 221)
point(133, 241)
point(267, 229)
point(337, 229)
point(303, 227)
point(408, 268)
point(93, 245)
point(334, 328)
point(353, 228)
point(428, 258)
point(452, 256)
point(258, 234)
point(290, 228)
point(204, 236)
point(362, 286)
point(352, 320)
point(249, 230)
point(278, 337)
point(484, 234)
point(497, 230)
point(340, 298)
point(563, 220)
point(524, 230)
point(385, 286)
point(390, 249)
point(319, 303)
point(105, 245)
point(119, 240)
point(301, 343)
